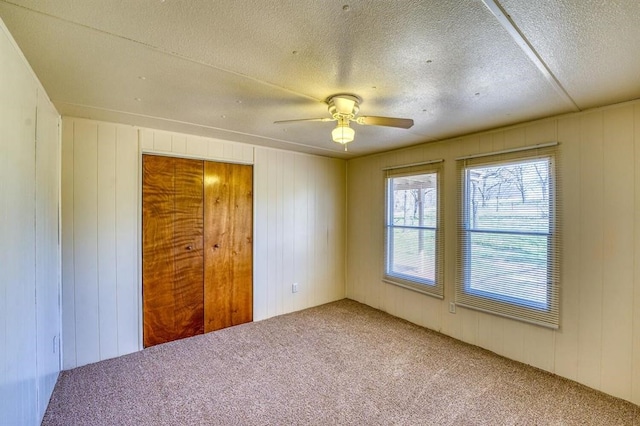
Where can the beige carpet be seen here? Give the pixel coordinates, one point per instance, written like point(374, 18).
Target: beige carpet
point(341, 363)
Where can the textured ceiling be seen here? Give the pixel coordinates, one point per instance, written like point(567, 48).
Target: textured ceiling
point(229, 68)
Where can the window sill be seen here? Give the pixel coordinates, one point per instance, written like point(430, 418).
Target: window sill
point(419, 288)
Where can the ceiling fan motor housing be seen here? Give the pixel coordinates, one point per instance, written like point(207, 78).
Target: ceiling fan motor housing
point(344, 106)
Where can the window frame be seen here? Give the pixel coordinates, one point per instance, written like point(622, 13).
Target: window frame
point(435, 288)
point(505, 305)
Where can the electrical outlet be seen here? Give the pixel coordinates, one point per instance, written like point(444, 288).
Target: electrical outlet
point(294, 288)
point(452, 307)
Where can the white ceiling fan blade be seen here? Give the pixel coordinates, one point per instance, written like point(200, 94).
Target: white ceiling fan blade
point(304, 119)
point(403, 123)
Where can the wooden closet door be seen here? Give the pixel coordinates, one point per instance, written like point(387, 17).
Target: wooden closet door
point(172, 249)
point(228, 245)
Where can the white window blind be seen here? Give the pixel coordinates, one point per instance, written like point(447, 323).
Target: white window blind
point(508, 235)
point(413, 225)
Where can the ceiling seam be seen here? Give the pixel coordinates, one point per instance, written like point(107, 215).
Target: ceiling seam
point(196, 125)
point(166, 52)
point(505, 20)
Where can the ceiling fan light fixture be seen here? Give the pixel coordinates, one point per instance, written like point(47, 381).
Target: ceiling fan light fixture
point(343, 134)
point(344, 108)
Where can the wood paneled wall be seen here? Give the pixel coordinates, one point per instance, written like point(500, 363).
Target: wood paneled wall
point(187, 146)
point(29, 250)
point(48, 254)
point(100, 297)
point(598, 343)
point(299, 230)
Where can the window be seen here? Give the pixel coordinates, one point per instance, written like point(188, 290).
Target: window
point(508, 254)
point(413, 228)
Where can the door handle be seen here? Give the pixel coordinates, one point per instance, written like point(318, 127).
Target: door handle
point(189, 247)
point(216, 246)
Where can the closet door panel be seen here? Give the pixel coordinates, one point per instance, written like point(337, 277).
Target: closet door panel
point(187, 248)
point(197, 247)
point(217, 254)
point(157, 249)
point(172, 256)
point(241, 240)
point(228, 245)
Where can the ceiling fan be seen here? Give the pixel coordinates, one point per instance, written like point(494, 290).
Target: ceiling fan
point(344, 108)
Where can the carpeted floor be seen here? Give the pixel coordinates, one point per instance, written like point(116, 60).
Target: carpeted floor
point(341, 363)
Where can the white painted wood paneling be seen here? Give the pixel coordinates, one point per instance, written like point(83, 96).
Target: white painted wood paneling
point(289, 237)
point(617, 302)
point(272, 210)
point(85, 242)
point(188, 146)
point(99, 227)
point(591, 249)
point(68, 340)
point(17, 249)
point(566, 345)
point(299, 230)
point(48, 324)
point(29, 253)
point(635, 338)
point(128, 289)
point(106, 242)
point(598, 340)
point(260, 242)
